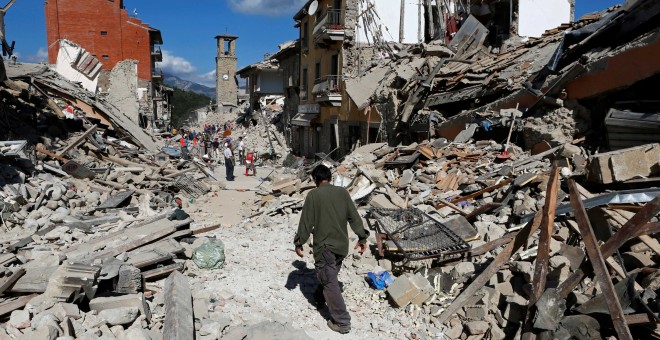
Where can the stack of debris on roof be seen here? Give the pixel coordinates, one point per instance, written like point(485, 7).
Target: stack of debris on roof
point(593, 77)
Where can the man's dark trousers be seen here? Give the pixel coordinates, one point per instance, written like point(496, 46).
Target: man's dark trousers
point(229, 169)
point(327, 269)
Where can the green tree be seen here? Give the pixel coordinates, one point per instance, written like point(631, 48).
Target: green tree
point(185, 102)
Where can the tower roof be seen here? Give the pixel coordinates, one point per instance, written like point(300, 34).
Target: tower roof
point(226, 36)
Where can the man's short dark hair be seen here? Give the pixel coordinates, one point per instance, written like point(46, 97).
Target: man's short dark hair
point(321, 173)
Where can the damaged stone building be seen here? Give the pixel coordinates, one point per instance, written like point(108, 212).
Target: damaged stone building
point(340, 40)
point(104, 44)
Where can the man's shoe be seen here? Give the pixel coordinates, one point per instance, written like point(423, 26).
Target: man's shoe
point(338, 328)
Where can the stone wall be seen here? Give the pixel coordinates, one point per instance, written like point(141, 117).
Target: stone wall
point(122, 91)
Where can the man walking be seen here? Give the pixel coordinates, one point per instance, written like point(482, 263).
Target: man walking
point(229, 161)
point(325, 213)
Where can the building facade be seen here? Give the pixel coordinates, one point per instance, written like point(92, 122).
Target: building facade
point(226, 65)
point(288, 58)
point(341, 39)
point(105, 30)
point(262, 79)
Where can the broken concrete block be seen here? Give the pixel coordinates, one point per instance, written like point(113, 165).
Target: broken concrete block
point(409, 288)
point(406, 178)
point(477, 327)
point(137, 334)
point(622, 165)
point(570, 150)
point(550, 310)
point(119, 316)
point(200, 309)
point(462, 271)
point(63, 310)
point(129, 280)
point(130, 300)
point(44, 333)
point(20, 319)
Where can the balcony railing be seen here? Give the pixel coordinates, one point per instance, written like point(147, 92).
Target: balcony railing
point(328, 90)
point(157, 75)
point(329, 85)
point(157, 54)
point(332, 20)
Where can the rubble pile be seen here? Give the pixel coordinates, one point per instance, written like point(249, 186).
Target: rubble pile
point(92, 246)
point(509, 280)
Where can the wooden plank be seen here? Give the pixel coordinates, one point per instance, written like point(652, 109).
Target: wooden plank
point(11, 279)
point(27, 240)
point(483, 209)
point(445, 203)
point(116, 200)
point(547, 224)
point(14, 304)
point(642, 318)
point(142, 228)
point(635, 226)
point(178, 323)
point(505, 255)
point(206, 229)
point(619, 271)
point(162, 271)
point(77, 141)
point(144, 239)
point(427, 151)
point(35, 280)
point(6, 259)
point(147, 258)
point(50, 154)
point(598, 263)
point(650, 242)
point(481, 192)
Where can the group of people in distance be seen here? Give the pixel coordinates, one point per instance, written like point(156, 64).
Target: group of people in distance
point(206, 145)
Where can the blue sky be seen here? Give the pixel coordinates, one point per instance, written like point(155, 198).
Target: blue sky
point(188, 29)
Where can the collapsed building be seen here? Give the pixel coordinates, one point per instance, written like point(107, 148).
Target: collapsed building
point(104, 48)
point(437, 90)
point(341, 40)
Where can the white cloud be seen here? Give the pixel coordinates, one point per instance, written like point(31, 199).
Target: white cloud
point(172, 64)
point(184, 69)
point(267, 7)
point(40, 56)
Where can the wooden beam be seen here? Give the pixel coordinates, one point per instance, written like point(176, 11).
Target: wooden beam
point(14, 304)
point(481, 192)
point(453, 206)
point(547, 224)
point(11, 279)
point(637, 225)
point(50, 154)
point(598, 263)
point(77, 141)
point(162, 271)
point(492, 269)
point(178, 323)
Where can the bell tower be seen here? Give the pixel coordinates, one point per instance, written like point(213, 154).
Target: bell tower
point(225, 71)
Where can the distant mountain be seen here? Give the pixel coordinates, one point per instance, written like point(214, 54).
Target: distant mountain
point(186, 85)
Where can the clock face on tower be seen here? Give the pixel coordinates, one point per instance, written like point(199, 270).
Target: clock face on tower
point(225, 77)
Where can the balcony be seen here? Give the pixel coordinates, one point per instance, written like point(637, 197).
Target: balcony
point(157, 55)
point(330, 28)
point(157, 76)
point(328, 90)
